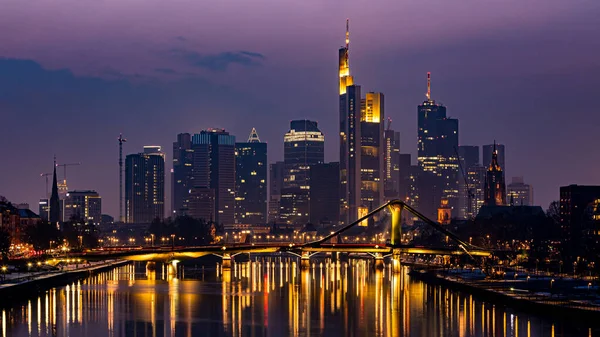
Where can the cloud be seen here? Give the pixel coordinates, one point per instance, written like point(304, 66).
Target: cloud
point(220, 61)
point(180, 38)
point(165, 70)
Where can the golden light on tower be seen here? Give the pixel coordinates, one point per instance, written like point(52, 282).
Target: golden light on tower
point(344, 69)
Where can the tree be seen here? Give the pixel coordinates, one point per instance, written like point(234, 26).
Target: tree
point(41, 234)
point(553, 212)
point(5, 240)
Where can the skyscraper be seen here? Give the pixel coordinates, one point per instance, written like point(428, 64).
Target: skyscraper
point(372, 151)
point(55, 210)
point(350, 154)
point(182, 176)
point(324, 194)
point(495, 189)
point(437, 157)
point(518, 193)
point(84, 206)
point(488, 150)
point(303, 147)
point(251, 181)
point(145, 185)
point(404, 168)
point(469, 158)
point(276, 172)
point(213, 176)
point(391, 164)
point(476, 181)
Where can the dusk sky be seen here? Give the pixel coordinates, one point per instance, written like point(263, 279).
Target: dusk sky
point(76, 73)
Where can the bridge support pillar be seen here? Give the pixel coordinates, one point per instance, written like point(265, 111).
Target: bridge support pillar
point(305, 261)
point(150, 266)
point(379, 265)
point(226, 261)
point(396, 230)
point(172, 268)
point(396, 263)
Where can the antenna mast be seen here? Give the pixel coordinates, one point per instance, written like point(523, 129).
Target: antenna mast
point(347, 33)
point(428, 94)
point(121, 141)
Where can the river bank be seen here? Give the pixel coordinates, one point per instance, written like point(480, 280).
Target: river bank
point(515, 294)
point(19, 287)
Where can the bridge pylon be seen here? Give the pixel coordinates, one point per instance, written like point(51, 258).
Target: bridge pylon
point(396, 228)
point(305, 260)
point(226, 261)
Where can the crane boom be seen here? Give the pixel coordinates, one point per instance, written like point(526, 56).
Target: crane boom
point(64, 166)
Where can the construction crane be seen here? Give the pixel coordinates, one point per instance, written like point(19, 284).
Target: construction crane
point(64, 166)
point(121, 141)
point(46, 176)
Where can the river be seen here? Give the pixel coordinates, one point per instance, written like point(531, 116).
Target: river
point(267, 297)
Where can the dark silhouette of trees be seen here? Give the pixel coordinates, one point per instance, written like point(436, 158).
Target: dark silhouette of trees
point(5, 241)
point(40, 235)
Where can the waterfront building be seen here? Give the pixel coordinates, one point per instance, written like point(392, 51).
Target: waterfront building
point(303, 147)
point(251, 181)
point(324, 194)
point(495, 188)
point(145, 185)
point(518, 193)
point(212, 196)
point(84, 206)
point(182, 174)
point(44, 208)
point(437, 156)
point(276, 171)
point(576, 205)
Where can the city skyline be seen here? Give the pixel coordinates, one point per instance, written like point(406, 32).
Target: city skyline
point(152, 108)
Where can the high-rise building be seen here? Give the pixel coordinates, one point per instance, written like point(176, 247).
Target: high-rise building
point(488, 150)
point(213, 176)
point(437, 156)
point(325, 194)
point(145, 185)
point(251, 181)
point(404, 168)
point(469, 158)
point(83, 206)
point(518, 193)
point(576, 202)
point(182, 174)
point(476, 182)
point(44, 208)
point(495, 188)
point(276, 173)
point(372, 151)
point(303, 146)
point(55, 209)
point(344, 64)
point(350, 154)
point(391, 164)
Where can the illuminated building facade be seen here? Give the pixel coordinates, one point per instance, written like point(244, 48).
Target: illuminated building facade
point(576, 207)
point(476, 182)
point(495, 188)
point(350, 154)
point(391, 164)
point(213, 176)
point(303, 146)
point(276, 171)
point(251, 181)
point(84, 206)
point(324, 194)
point(145, 185)
point(437, 156)
point(44, 208)
point(182, 174)
point(518, 193)
point(469, 158)
point(372, 150)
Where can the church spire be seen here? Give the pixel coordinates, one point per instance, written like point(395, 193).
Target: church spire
point(494, 166)
point(253, 138)
point(54, 215)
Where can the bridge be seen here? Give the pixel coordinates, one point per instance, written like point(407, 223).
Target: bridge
point(393, 248)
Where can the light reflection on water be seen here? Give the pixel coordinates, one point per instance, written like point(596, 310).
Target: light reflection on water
point(267, 297)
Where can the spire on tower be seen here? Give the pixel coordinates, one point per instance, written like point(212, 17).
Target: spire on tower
point(428, 94)
point(347, 33)
point(54, 211)
point(253, 138)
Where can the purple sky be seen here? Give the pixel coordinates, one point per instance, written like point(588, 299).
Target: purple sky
point(76, 73)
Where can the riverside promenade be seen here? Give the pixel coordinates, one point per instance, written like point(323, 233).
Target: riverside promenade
point(15, 285)
point(543, 294)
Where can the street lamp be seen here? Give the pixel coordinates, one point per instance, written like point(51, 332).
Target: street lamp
point(173, 239)
point(152, 237)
